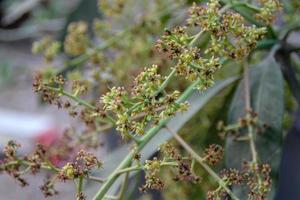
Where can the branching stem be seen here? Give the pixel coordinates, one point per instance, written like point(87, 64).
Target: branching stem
point(248, 110)
point(200, 160)
point(81, 102)
point(146, 138)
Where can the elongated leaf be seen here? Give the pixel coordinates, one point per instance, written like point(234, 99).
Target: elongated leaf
point(197, 101)
point(267, 100)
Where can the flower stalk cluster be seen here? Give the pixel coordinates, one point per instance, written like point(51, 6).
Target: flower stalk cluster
point(141, 111)
point(84, 163)
point(230, 36)
point(143, 99)
point(236, 130)
point(17, 166)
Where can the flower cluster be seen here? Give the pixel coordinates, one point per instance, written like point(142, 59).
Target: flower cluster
point(153, 180)
point(79, 87)
point(184, 171)
point(37, 158)
point(230, 177)
point(191, 64)
point(135, 109)
point(48, 188)
point(77, 40)
point(16, 166)
point(251, 119)
point(10, 164)
point(47, 47)
point(80, 196)
point(83, 164)
point(213, 154)
point(268, 10)
point(172, 159)
point(230, 36)
point(254, 176)
point(258, 180)
point(43, 85)
point(51, 88)
point(173, 42)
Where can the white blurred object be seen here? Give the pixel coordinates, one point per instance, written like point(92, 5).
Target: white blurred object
point(26, 128)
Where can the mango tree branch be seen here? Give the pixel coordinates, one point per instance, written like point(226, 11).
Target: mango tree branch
point(148, 136)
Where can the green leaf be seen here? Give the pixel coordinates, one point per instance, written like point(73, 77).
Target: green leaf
point(267, 100)
point(197, 101)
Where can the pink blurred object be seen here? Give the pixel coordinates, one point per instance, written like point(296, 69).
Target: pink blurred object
point(47, 137)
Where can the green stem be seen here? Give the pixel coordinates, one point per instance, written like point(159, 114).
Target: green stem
point(123, 187)
point(28, 168)
point(248, 109)
point(148, 136)
point(139, 167)
point(80, 184)
point(233, 127)
point(134, 107)
point(252, 144)
point(165, 83)
point(246, 5)
point(81, 102)
point(54, 168)
point(96, 179)
point(73, 97)
point(44, 165)
point(109, 197)
point(196, 37)
point(251, 133)
point(173, 72)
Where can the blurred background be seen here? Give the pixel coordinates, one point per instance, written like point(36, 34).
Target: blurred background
point(22, 116)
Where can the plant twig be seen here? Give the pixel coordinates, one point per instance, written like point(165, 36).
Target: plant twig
point(248, 110)
point(123, 187)
point(109, 197)
point(96, 179)
point(82, 102)
point(200, 160)
point(79, 184)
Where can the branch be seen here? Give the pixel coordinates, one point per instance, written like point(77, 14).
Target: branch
point(82, 102)
point(147, 137)
point(248, 110)
point(200, 160)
